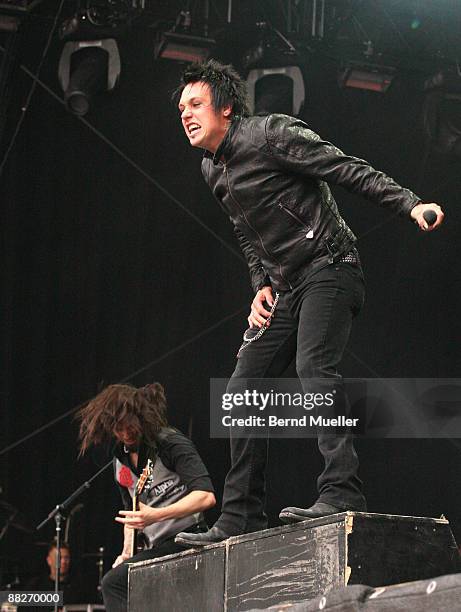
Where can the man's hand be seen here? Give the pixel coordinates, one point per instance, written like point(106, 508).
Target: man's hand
point(138, 519)
point(417, 216)
point(259, 315)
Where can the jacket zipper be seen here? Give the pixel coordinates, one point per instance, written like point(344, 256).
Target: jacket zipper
point(250, 226)
point(309, 231)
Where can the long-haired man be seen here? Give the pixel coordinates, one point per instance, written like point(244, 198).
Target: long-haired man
point(177, 491)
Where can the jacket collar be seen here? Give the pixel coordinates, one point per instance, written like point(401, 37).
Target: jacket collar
point(225, 147)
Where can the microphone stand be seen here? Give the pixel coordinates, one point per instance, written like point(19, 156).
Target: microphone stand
point(58, 516)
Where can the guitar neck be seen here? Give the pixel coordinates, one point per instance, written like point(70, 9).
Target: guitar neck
point(134, 541)
point(146, 473)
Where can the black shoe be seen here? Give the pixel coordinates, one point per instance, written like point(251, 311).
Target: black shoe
point(195, 540)
point(295, 515)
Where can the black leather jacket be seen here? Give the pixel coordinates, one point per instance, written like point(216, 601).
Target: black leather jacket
point(270, 175)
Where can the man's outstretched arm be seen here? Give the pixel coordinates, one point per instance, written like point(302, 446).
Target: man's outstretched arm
point(296, 148)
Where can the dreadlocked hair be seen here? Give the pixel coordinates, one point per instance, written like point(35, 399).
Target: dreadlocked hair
point(143, 408)
point(226, 85)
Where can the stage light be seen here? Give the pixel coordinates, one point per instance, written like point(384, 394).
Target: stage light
point(275, 82)
point(276, 90)
point(85, 69)
point(183, 47)
point(182, 42)
point(442, 112)
point(90, 60)
point(371, 77)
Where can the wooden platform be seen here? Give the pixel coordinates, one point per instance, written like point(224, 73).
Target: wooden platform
point(294, 563)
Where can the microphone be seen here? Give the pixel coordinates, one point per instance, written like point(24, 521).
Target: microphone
point(430, 217)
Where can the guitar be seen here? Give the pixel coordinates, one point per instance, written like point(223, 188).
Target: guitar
point(139, 488)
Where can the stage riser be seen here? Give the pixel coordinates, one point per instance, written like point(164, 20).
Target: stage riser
point(295, 563)
point(193, 582)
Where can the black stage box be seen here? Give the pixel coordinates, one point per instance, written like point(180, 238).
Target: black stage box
point(185, 582)
point(293, 563)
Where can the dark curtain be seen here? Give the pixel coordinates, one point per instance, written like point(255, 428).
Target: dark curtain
point(107, 278)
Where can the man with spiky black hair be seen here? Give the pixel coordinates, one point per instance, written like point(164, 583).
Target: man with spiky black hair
point(270, 174)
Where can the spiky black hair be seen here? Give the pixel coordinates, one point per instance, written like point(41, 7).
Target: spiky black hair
point(226, 85)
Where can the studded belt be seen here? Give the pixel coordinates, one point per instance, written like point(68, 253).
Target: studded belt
point(352, 257)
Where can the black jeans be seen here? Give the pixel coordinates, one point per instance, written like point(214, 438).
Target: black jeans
point(313, 322)
point(115, 582)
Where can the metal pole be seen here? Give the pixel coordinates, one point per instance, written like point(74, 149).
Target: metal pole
point(322, 19)
point(229, 11)
point(7, 66)
point(57, 567)
point(314, 18)
point(206, 16)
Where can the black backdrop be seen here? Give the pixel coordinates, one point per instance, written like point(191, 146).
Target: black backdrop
point(106, 278)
